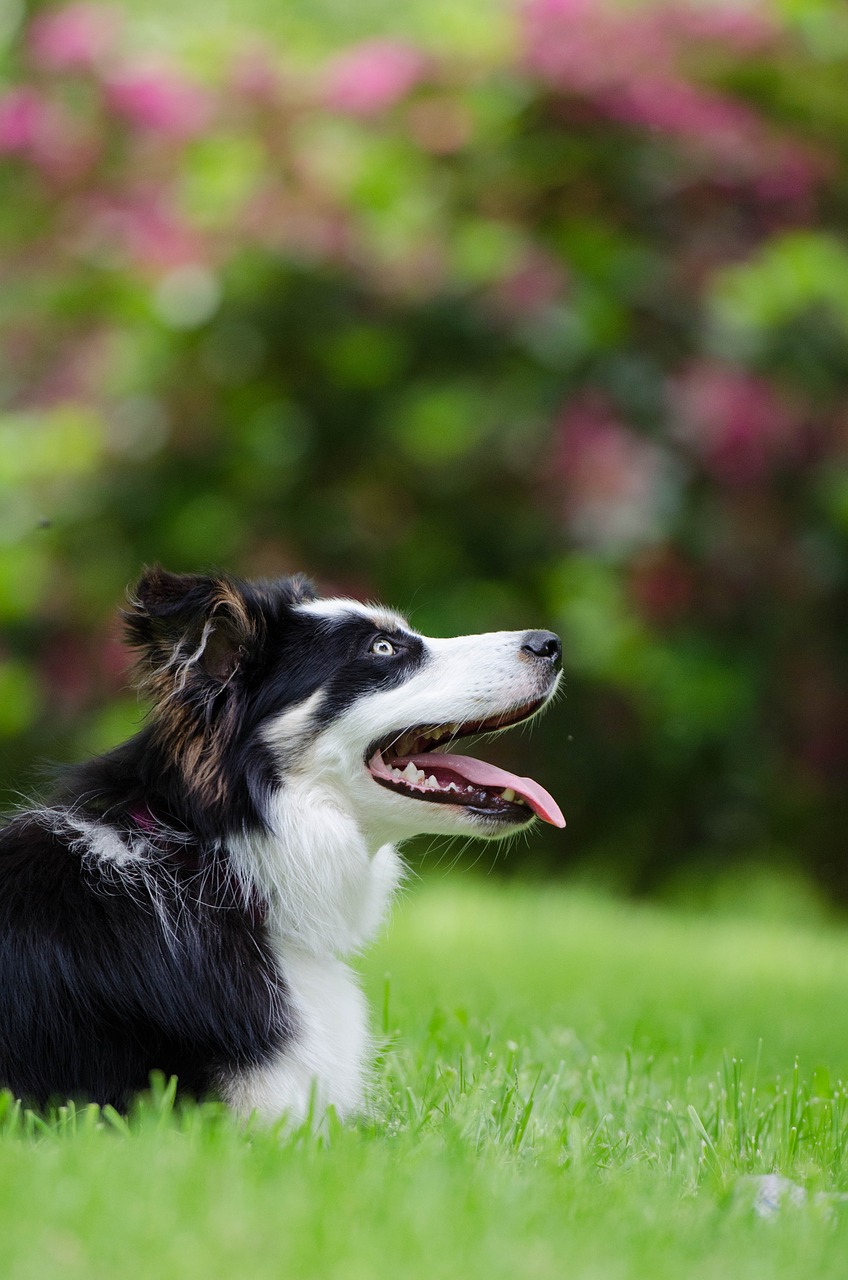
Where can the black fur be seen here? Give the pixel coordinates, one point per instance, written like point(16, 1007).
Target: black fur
point(109, 971)
point(105, 981)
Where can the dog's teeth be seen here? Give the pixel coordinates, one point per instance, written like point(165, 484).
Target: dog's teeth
point(410, 773)
point(431, 781)
point(508, 794)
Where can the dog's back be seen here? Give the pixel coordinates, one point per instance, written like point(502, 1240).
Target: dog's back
point(110, 972)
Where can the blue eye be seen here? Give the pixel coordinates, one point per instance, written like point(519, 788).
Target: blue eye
point(383, 648)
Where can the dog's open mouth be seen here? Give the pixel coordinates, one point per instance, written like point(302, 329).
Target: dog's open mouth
point(414, 763)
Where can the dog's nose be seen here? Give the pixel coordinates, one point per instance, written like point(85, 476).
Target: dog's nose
point(543, 644)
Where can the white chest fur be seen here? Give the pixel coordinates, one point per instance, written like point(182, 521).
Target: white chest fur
point(327, 896)
point(325, 1064)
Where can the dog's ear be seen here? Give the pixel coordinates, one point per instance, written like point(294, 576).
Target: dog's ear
point(183, 624)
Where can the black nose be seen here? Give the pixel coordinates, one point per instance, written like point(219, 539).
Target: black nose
point(543, 644)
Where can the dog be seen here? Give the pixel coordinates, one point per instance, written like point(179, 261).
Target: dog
point(186, 902)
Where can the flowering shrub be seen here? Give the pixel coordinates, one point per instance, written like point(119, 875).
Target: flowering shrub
point(560, 341)
point(373, 77)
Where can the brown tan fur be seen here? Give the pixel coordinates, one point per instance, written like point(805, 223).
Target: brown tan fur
point(189, 646)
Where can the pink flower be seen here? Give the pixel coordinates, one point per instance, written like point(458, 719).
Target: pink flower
point(158, 101)
point(579, 47)
point(141, 229)
point(735, 422)
point(739, 27)
point(585, 44)
point(618, 487)
point(373, 76)
point(678, 109)
point(631, 66)
point(76, 37)
point(22, 115)
point(45, 134)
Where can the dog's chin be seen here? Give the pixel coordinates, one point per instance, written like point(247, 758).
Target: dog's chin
point(488, 826)
point(400, 817)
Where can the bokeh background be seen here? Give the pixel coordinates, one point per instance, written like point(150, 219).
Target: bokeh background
point(508, 315)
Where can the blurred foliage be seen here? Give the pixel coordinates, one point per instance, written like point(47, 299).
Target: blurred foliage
point(553, 337)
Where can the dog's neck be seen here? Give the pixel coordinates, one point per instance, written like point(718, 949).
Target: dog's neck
point(327, 883)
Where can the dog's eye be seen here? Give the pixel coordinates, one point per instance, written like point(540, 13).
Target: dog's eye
point(382, 647)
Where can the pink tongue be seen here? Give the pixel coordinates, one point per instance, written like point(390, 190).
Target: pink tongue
point(489, 775)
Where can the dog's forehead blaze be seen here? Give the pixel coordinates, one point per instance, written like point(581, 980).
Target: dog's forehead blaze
point(340, 608)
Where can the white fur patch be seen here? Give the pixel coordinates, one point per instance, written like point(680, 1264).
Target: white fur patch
point(288, 729)
point(327, 893)
point(94, 839)
point(383, 619)
point(326, 1062)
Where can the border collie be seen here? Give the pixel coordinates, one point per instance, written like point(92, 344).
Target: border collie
point(185, 903)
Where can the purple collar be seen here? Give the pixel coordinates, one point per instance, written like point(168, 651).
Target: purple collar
point(142, 816)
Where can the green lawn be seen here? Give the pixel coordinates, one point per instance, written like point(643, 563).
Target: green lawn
point(571, 1087)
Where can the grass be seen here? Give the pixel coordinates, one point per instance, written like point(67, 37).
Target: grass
point(568, 1085)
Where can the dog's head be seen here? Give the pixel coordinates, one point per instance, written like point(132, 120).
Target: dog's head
point(260, 687)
